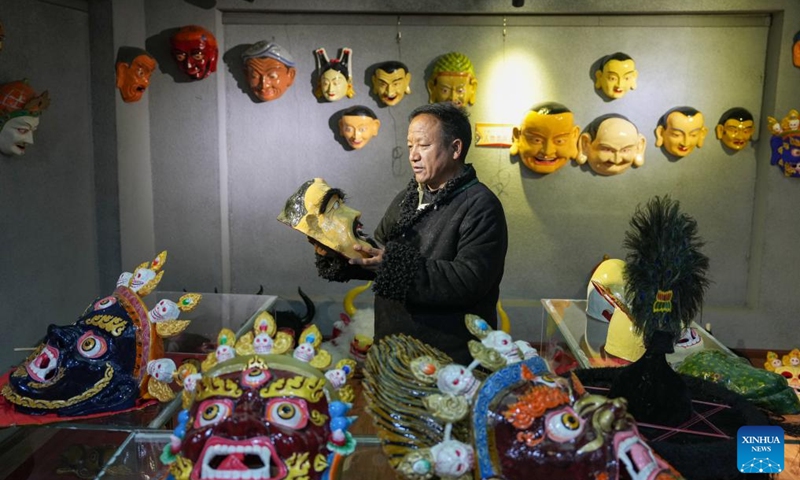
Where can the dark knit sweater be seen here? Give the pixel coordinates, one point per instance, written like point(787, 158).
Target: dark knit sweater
point(440, 263)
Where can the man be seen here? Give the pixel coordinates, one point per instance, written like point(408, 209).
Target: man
point(270, 70)
point(611, 144)
point(617, 74)
point(134, 67)
point(680, 130)
point(391, 82)
point(547, 138)
point(442, 241)
point(453, 80)
point(358, 125)
point(735, 128)
point(20, 109)
point(195, 50)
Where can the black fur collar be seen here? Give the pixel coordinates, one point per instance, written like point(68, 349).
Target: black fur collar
point(409, 214)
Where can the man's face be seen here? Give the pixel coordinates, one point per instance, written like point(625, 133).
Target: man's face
point(455, 87)
point(133, 79)
point(616, 78)
point(547, 142)
point(196, 58)
point(331, 222)
point(682, 135)
point(390, 87)
point(358, 130)
point(432, 161)
point(269, 78)
point(17, 134)
point(735, 133)
point(333, 85)
point(616, 147)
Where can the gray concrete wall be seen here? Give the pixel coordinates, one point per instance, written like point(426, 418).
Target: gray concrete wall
point(48, 259)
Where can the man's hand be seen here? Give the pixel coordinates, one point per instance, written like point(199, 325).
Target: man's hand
point(372, 262)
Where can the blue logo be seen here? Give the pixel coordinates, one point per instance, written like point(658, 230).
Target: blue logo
point(760, 449)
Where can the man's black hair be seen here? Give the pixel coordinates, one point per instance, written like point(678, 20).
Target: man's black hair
point(453, 120)
point(688, 111)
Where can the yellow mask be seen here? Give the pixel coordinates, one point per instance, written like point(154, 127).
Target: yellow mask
point(616, 76)
point(680, 130)
point(621, 340)
point(735, 128)
point(612, 144)
point(547, 138)
point(319, 211)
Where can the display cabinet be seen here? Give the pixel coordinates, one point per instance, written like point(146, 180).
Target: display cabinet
point(571, 338)
point(80, 448)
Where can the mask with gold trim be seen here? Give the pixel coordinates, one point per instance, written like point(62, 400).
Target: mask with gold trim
point(262, 416)
point(100, 363)
point(785, 143)
point(319, 211)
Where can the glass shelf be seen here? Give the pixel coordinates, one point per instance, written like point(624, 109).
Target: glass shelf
point(567, 327)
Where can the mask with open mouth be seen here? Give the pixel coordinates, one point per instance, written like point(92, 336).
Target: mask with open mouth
point(319, 211)
point(134, 68)
point(99, 363)
point(262, 417)
point(20, 109)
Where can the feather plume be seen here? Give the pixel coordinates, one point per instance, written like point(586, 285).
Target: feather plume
point(665, 271)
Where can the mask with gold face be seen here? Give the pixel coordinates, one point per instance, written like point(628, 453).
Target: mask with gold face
point(617, 74)
point(453, 80)
point(262, 416)
point(319, 211)
point(100, 363)
point(735, 128)
point(547, 138)
point(134, 68)
point(391, 81)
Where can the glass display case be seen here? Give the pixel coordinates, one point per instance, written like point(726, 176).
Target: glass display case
point(572, 339)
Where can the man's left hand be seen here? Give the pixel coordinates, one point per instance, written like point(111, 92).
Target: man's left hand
point(372, 262)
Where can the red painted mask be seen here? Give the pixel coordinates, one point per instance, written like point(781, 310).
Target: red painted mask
point(195, 50)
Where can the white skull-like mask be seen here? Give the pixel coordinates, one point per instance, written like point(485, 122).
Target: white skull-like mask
point(164, 310)
point(304, 352)
point(456, 380)
point(161, 369)
point(263, 343)
point(452, 458)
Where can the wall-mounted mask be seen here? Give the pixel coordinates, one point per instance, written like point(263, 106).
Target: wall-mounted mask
point(391, 81)
point(735, 128)
point(134, 68)
point(20, 109)
point(680, 130)
point(100, 363)
point(611, 144)
point(547, 138)
point(270, 70)
point(335, 79)
point(616, 75)
point(453, 80)
point(319, 211)
point(262, 416)
point(358, 125)
point(796, 50)
point(785, 143)
point(195, 50)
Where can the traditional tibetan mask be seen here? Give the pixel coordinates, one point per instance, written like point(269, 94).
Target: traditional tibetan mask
point(453, 80)
point(195, 50)
point(262, 416)
point(796, 50)
point(617, 75)
point(270, 70)
point(785, 143)
point(547, 138)
point(680, 130)
point(735, 128)
point(358, 125)
point(612, 144)
point(319, 211)
point(335, 80)
point(133, 74)
point(519, 422)
point(391, 81)
point(20, 109)
point(100, 363)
